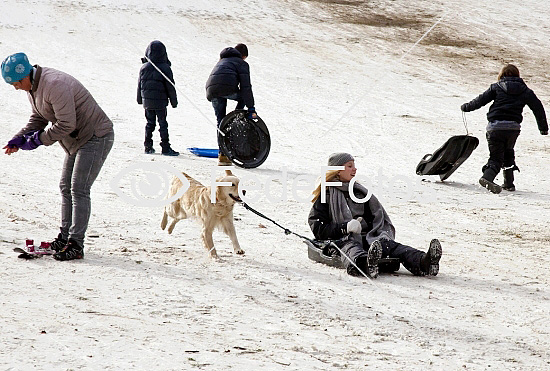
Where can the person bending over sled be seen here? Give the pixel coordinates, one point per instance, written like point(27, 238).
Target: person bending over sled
point(510, 95)
point(363, 230)
point(81, 128)
point(230, 79)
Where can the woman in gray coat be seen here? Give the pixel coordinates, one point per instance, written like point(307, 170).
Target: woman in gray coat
point(361, 226)
point(79, 125)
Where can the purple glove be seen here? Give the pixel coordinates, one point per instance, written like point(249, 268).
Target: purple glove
point(16, 142)
point(32, 140)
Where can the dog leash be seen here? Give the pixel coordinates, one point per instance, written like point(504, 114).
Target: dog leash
point(288, 231)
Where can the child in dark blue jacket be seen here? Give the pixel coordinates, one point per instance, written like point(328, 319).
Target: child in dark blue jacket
point(510, 95)
point(230, 79)
point(154, 91)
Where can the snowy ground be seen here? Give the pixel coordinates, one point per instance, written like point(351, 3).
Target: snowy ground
point(327, 76)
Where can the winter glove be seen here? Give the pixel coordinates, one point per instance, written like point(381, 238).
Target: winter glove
point(32, 140)
point(544, 132)
point(463, 107)
point(353, 226)
point(252, 114)
point(174, 105)
point(16, 142)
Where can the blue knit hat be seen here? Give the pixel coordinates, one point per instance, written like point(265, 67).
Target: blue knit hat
point(16, 67)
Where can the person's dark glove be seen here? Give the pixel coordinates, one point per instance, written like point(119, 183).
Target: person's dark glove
point(463, 107)
point(174, 105)
point(544, 132)
point(252, 115)
point(32, 140)
point(16, 142)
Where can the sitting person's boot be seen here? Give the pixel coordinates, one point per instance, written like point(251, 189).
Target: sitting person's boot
point(430, 261)
point(72, 250)
point(58, 243)
point(508, 180)
point(223, 160)
point(487, 180)
point(373, 256)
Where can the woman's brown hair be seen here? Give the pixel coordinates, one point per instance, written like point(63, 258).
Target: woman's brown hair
point(508, 71)
point(330, 176)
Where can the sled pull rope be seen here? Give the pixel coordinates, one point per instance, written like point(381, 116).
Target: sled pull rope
point(465, 123)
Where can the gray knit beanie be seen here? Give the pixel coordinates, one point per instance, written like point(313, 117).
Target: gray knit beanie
point(339, 159)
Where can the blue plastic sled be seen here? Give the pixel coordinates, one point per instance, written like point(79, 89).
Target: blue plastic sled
point(204, 152)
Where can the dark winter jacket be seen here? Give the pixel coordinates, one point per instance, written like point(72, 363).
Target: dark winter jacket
point(228, 75)
point(153, 89)
point(375, 223)
point(510, 95)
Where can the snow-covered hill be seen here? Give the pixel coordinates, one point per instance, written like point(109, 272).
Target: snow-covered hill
point(364, 77)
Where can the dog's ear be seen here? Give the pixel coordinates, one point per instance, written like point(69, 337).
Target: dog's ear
point(228, 172)
point(219, 194)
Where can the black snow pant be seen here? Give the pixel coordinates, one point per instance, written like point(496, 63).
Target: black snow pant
point(152, 116)
point(408, 256)
point(501, 150)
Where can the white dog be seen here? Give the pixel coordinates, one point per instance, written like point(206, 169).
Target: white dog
point(195, 202)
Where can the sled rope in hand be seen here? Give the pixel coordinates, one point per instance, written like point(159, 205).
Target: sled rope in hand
point(288, 231)
point(465, 123)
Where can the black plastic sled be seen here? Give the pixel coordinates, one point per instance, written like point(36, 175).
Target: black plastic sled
point(323, 252)
point(246, 142)
point(445, 160)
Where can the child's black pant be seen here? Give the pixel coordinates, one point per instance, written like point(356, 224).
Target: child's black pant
point(501, 149)
point(152, 116)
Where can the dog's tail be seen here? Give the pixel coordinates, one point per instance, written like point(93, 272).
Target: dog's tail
point(164, 220)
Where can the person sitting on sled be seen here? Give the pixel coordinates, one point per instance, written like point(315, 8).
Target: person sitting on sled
point(82, 129)
point(510, 95)
point(363, 230)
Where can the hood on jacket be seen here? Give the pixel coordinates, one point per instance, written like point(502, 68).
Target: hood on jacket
point(229, 53)
point(156, 52)
point(512, 85)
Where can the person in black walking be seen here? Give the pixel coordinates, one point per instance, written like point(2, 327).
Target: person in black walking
point(509, 96)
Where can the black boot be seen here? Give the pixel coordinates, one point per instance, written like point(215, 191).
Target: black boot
point(430, 261)
point(487, 179)
point(58, 243)
point(170, 152)
point(374, 254)
point(508, 180)
point(167, 150)
point(72, 250)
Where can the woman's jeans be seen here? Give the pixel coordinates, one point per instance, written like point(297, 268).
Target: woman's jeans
point(79, 173)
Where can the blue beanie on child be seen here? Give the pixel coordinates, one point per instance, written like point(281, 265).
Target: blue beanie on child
point(16, 67)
